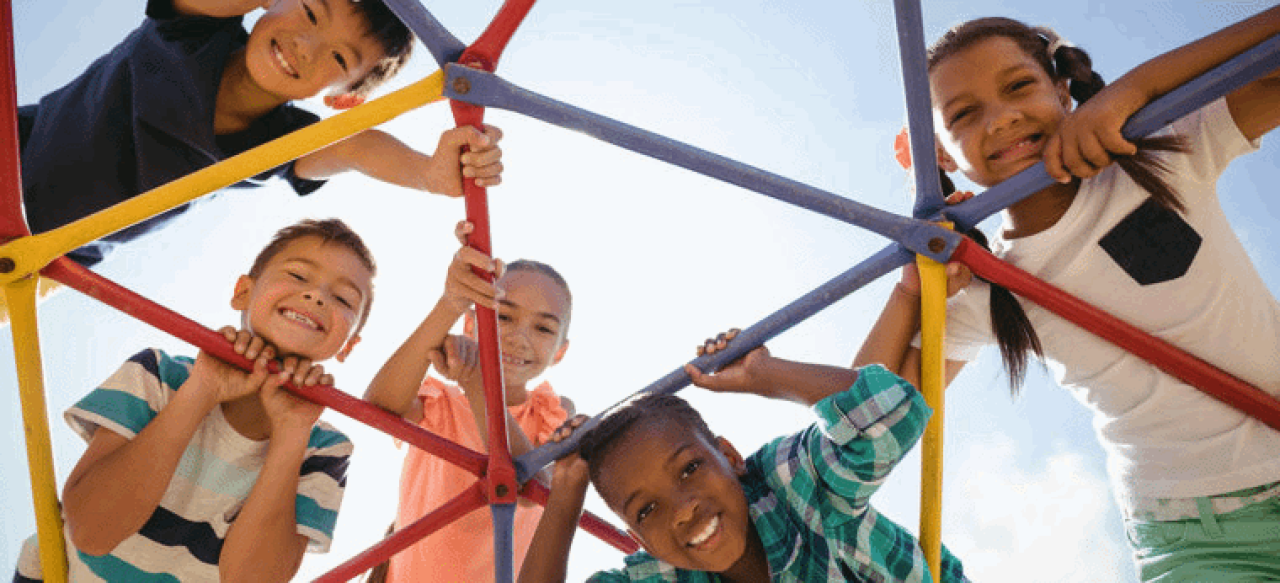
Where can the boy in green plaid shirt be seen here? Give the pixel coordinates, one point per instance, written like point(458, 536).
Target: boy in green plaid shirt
point(796, 510)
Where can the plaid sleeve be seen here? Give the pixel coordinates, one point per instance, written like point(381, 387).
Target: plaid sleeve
point(322, 482)
point(864, 431)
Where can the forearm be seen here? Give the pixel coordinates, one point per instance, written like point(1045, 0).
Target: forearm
point(375, 154)
point(802, 382)
point(113, 496)
point(396, 384)
point(263, 543)
point(889, 340)
point(548, 556)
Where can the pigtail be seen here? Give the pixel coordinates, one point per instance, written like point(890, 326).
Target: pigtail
point(1014, 334)
point(1147, 169)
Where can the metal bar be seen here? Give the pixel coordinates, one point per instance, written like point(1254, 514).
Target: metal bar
point(915, 78)
point(1195, 94)
point(933, 319)
point(534, 490)
point(465, 502)
point(12, 221)
point(443, 46)
point(1167, 357)
point(504, 523)
point(491, 91)
point(888, 259)
point(487, 49)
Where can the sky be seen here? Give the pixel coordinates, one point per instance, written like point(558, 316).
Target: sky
point(658, 258)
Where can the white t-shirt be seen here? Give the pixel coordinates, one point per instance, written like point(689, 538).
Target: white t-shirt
point(1198, 291)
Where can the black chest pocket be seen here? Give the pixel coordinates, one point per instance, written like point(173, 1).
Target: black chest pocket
point(1153, 244)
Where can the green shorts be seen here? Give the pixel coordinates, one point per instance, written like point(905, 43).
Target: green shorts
point(1239, 546)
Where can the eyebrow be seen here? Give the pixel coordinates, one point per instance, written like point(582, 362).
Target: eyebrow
point(627, 503)
point(549, 315)
point(1005, 72)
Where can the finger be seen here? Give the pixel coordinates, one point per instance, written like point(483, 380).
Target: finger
point(1094, 152)
point(695, 376)
point(313, 375)
point(494, 133)
point(326, 380)
point(287, 368)
point(255, 347)
point(462, 229)
point(242, 342)
point(229, 333)
point(732, 333)
point(1115, 143)
point(1053, 160)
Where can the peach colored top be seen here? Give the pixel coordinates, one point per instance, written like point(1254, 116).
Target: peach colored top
point(463, 550)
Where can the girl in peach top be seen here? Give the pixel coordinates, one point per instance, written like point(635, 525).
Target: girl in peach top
point(533, 321)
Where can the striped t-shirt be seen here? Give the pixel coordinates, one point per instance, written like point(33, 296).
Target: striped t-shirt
point(182, 540)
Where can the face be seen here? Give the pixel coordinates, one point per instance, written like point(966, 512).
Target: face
point(679, 495)
point(300, 48)
point(994, 108)
point(308, 299)
point(533, 316)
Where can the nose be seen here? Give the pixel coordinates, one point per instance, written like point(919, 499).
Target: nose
point(686, 510)
point(1002, 118)
point(313, 296)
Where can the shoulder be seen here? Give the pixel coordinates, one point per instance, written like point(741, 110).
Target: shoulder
point(132, 396)
point(641, 567)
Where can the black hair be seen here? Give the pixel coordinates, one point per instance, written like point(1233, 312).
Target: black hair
point(598, 443)
point(395, 38)
point(1014, 333)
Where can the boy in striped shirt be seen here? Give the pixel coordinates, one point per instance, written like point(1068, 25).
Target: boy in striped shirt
point(797, 510)
point(198, 471)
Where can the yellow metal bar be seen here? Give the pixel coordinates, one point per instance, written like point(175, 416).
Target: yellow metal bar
point(21, 297)
point(30, 254)
point(933, 317)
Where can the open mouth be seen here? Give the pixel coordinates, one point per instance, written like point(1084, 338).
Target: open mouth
point(1029, 145)
point(300, 318)
point(510, 360)
point(280, 60)
point(707, 536)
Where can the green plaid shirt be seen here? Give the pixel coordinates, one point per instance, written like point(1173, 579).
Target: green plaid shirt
point(809, 494)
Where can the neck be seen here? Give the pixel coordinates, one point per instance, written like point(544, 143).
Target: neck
point(753, 567)
point(240, 99)
point(516, 394)
point(247, 416)
point(1039, 211)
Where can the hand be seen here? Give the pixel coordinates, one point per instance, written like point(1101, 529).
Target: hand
point(571, 471)
point(450, 165)
point(226, 382)
point(462, 286)
point(1088, 138)
point(740, 376)
point(285, 409)
point(459, 361)
point(959, 276)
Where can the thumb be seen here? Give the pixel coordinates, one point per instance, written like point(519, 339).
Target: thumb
point(438, 360)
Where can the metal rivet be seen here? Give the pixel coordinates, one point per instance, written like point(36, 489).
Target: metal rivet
point(461, 85)
point(501, 490)
point(936, 244)
point(7, 265)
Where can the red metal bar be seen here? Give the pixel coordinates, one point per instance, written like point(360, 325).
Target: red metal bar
point(12, 222)
point(589, 522)
point(484, 53)
point(1167, 357)
point(466, 501)
point(125, 300)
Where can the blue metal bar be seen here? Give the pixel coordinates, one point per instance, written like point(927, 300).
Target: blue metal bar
point(915, 78)
point(444, 47)
point(504, 521)
point(888, 259)
point(1193, 95)
point(489, 90)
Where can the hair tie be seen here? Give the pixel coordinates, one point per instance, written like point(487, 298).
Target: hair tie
point(1052, 39)
point(902, 149)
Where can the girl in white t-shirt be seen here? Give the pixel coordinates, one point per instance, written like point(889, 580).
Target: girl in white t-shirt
point(1145, 240)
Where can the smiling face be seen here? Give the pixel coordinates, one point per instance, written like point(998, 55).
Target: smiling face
point(300, 48)
point(307, 300)
point(533, 318)
point(679, 494)
point(994, 109)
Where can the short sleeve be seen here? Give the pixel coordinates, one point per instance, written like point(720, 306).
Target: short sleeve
point(1214, 140)
point(280, 122)
point(131, 397)
point(322, 481)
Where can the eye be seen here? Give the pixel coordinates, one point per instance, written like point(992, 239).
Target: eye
point(546, 330)
point(310, 15)
point(344, 301)
point(690, 468)
point(296, 276)
point(959, 115)
point(1019, 84)
point(504, 318)
point(342, 61)
point(644, 512)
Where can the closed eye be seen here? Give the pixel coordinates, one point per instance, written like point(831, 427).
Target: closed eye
point(959, 115)
point(296, 276)
point(342, 61)
point(310, 15)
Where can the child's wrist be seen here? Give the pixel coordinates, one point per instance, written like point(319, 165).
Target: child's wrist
point(901, 288)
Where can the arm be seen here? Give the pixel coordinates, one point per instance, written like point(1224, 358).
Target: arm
point(263, 543)
point(1083, 144)
point(395, 386)
point(381, 156)
point(548, 557)
point(889, 341)
point(762, 374)
point(118, 482)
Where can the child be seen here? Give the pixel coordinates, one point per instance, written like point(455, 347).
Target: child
point(1190, 473)
point(198, 471)
point(534, 309)
point(189, 88)
point(797, 510)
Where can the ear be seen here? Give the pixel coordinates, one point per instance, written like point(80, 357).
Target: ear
point(730, 453)
point(469, 325)
point(564, 347)
point(945, 161)
point(240, 297)
point(343, 100)
point(346, 348)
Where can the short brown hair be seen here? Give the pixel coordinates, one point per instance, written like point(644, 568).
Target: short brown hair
point(329, 231)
